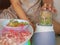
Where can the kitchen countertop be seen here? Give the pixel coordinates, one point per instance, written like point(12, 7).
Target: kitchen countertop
point(57, 40)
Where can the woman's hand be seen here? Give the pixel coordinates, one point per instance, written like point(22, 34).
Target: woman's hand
point(49, 7)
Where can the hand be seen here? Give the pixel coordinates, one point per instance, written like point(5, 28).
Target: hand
point(49, 7)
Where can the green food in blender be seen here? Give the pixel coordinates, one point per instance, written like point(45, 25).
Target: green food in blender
point(45, 18)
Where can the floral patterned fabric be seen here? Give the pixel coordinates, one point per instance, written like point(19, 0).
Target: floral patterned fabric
point(31, 7)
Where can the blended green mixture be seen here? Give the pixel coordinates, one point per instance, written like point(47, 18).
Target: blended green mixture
point(45, 18)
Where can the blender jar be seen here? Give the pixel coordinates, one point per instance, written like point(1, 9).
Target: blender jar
point(45, 18)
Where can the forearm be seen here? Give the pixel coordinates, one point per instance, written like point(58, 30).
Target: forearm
point(20, 12)
point(18, 9)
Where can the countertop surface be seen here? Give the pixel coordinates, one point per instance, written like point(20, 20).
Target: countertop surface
point(57, 40)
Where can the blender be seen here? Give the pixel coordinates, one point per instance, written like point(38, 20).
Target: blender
point(44, 34)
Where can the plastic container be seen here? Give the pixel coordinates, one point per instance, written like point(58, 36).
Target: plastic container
point(16, 28)
point(13, 36)
point(28, 43)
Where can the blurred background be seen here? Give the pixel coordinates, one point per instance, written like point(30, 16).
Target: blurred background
point(4, 4)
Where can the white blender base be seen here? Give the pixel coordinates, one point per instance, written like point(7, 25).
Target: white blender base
point(44, 35)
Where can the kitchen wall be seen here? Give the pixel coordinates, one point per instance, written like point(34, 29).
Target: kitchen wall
point(57, 5)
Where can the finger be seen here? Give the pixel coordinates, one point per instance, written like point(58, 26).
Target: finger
point(44, 7)
point(54, 10)
point(49, 7)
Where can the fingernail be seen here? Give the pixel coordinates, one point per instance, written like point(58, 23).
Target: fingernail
point(44, 8)
point(53, 11)
point(50, 9)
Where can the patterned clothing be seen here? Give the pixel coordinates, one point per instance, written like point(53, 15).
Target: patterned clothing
point(31, 8)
